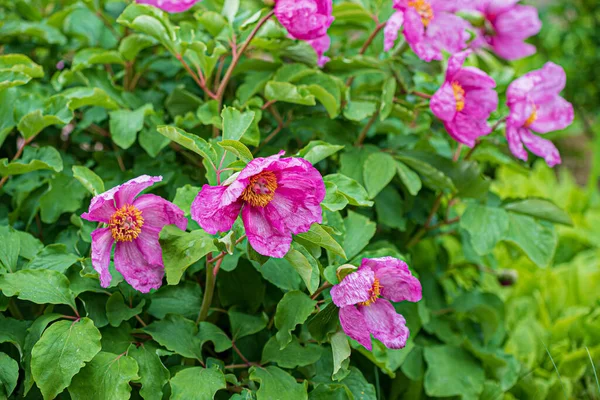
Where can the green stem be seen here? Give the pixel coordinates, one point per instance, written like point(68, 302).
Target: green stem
point(209, 289)
point(14, 309)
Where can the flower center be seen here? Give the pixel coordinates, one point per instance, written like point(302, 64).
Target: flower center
point(261, 189)
point(374, 292)
point(532, 118)
point(459, 96)
point(424, 9)
point(126, 224)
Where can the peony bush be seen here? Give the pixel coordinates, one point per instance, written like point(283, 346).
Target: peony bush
point(275, 200)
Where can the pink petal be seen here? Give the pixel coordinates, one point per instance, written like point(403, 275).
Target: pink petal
point(553, 116)
point(126, 193)
point(520, 22)
point(443, 103)
point(212, 212)
point(391, 29)
point(520, 111)
point(321, 45)
point(414, 30)
point(512, 49)
point(480, 103)
point(262, 235)
point(513, 136)
point(259, 165)
point(102, 242)
point(354, 288)
point(398, 284)
point(102, 207)
point(171, 6)
point(455, 63)
point(541, 147)
point(549, 81)
point(445, 32)
point(158, 212)
point(385, 324)
point(473, 78)
point(499, 6)
point(304, 19)
point(355, 326)
point(140, 261)
point(466, 130)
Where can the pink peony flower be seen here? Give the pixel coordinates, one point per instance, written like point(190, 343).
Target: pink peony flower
point(170, 6)
point(277, 198)
point(134, 224)
point(305, 19)
point(509, 25)
point(321, 45)
point(535, 105)
point(465, 101)
point(364, 299)
point(429, 27)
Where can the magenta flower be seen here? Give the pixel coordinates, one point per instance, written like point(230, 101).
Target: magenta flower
point(277, 198)
point(429, 27)
point(364, 299)
point(535, 105)
point(170, 6)
point(465, 101)
point(509, 25)
point(134, 224)
point(305, 19)
point(321, 45)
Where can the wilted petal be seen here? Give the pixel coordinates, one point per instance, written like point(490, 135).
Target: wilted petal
point(443, 103)
point(386, 324)
point(140, 261)
point(171, 6)
point(265, 238)
point(102, 207)
point(126, 193)
point(158, 212)
point(553, 116)
point(515, 144)
point(391, 29)
point(354, 288)
point(102, 242)
point(541, 147)
point(209, 211)
point(355, 326)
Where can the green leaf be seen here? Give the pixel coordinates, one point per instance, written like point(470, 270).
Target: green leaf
point(351, 189)
point(431, 177)
point(334, 199)
point(64, 348)
point(275, 383)
point(387, 98)
point(208, 332)
point(54, 203)
point(359, 110)
point(153, 374)
point(13, 331)
point(359, 231)
point(409, 178)
point(88, 57)
point(117, 311)
point(538, 239)
point(189, 141)
point(379, 169)
point(184, 299)
point(243, 324)
point(9, 374)
point(292, 356)
point(286, 92)
point(39, 286)
point(38, 30)
point(182, 249)
point(85, 96)
point(53, 257)
point(10, 246)
point(131, 45)
point(539, 208)
point(324, 323)
point(237, 148)
point(321, 237)
point(176, 334)
point(197, 383)
point(55, 111)
point(486, 226)
point(10, 79)
point(125, 124)
point(184, 197)
point(88, 178)
point(390, 209)
point(452, 372)
point(33, 159)
point(235, 123)
point(318, 150)
point(107, 376)
point(293, 309)
point(306, 266)
point(208, 114)
point(20, 63)
point(340, 347)
point(325, 97)
point(34, 333)
point(151, 21)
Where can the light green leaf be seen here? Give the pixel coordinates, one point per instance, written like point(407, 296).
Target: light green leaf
point(153, 374)
point(359, 110)
point(237, 148)
point(150, 20)
point(235, 123)
point(306, 266)
point(293, 309)
point(359, 231)
point(20, 63)
point(125, 124)
point(64, 348)
point(10, 247)
point(409, 178)
point(387, 97)
point(334, 199)
point(318, 150)
point(184, 197)
point(538, 239)
point(55, 111)
point(539, 208)
point(321, 237)
point(340, 347)
point(176, 334)
point(276, 384)
point(88, 57)
point(189, 141)
point(53, 257)
point(42, 31)
point(378, 170)
point(39, 286)
point(486, 226)
point(352, 190)
point(197, 383)
point(54, 203)
point(286, 92)
point(9, 374)
point(34, 333)
point(88, 178)
point(131, 45)
point(33, 159)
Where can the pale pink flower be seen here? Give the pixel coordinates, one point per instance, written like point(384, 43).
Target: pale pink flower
point(170, 6)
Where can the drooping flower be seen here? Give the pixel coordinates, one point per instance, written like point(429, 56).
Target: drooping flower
point(277, 197)
point(429, 27)
point(321, 45)
point(364, 300)
point(133, 226)
point(508, 25)
point(465, 101)
point(170, 6)
point(536, 106)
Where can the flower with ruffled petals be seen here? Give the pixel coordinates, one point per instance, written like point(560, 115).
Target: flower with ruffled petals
point(132, 225)
point(508, 25)
point(364, 300)
point(536, 106)
point(305, 19)
point(277, 197)
point(429, 27)
point(170, 6)
point(465, 101)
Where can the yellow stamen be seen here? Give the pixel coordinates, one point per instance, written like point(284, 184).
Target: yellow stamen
point(261, 189)
point(424, 9)
point(374, 292)
point(126, 223)
point(532, 118)
point(459, 96)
